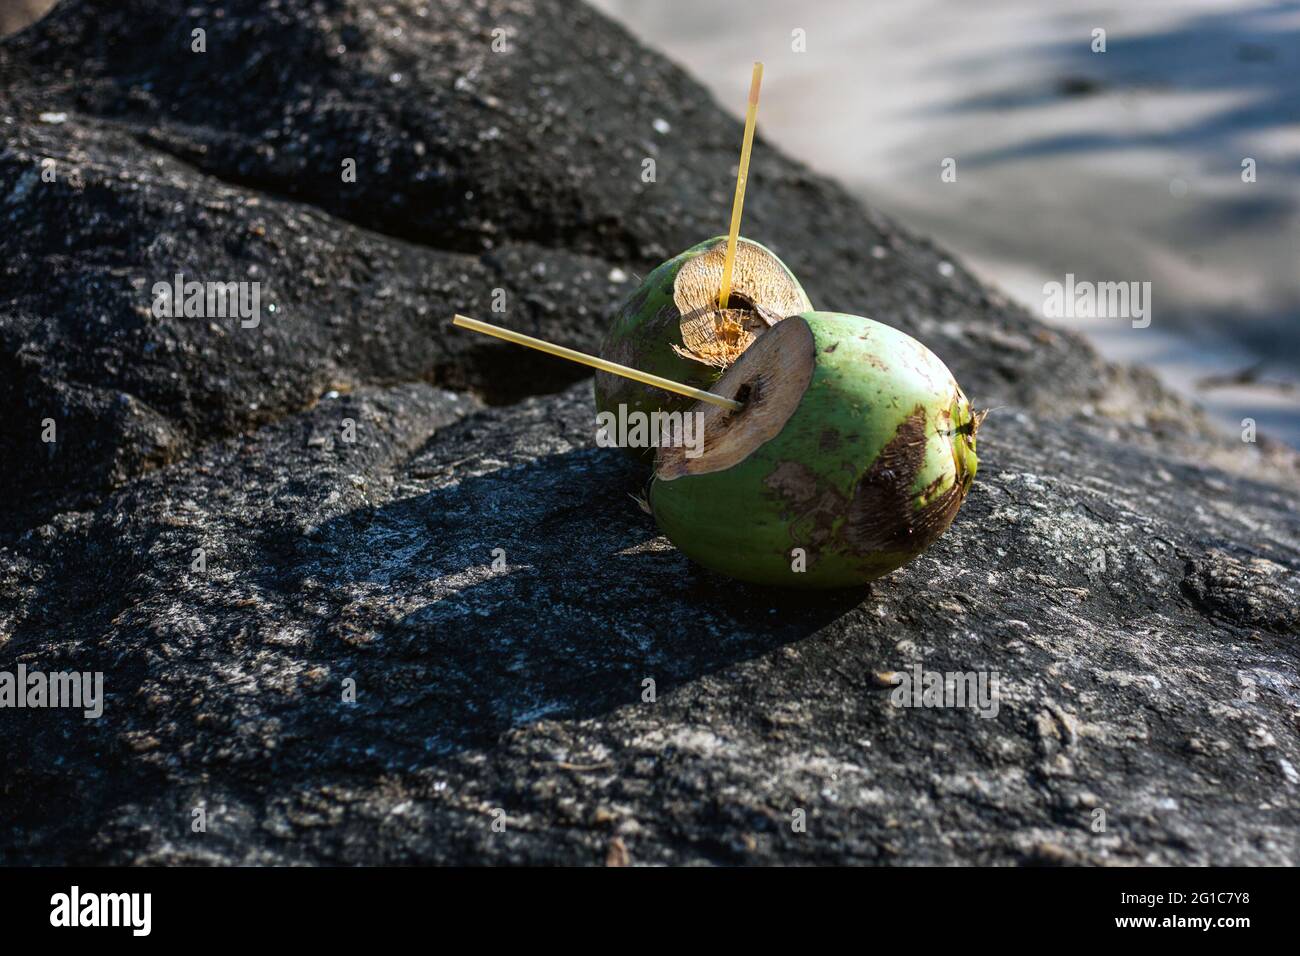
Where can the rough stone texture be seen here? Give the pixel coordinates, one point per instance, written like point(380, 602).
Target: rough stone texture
point(1132, 577)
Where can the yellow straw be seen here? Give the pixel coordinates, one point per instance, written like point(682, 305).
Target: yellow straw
point(604, 365)
point(736, 204)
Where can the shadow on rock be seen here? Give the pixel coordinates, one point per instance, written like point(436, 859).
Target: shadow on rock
point(584, 605)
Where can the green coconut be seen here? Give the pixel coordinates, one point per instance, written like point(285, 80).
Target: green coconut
point(851, 455)
point(671, 325)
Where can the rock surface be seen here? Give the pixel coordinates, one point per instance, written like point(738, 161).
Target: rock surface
point(476, 569)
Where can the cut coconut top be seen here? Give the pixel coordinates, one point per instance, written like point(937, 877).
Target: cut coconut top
point(762, 294)
point(770, 379)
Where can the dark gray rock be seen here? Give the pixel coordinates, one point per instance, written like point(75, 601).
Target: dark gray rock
point(1131, 577)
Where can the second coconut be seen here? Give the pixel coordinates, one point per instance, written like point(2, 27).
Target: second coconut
point(672, 325)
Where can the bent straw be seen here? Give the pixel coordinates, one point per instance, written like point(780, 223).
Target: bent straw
point(736, 204)
point(604, 365)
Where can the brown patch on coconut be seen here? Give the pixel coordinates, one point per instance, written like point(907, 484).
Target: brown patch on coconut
point(882, 517)
point(804, 498)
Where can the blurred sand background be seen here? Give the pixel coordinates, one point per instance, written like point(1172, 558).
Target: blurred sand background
point(16, 14)
point(1123, 165)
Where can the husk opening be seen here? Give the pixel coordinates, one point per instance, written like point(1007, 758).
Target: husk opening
point(763, 293)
